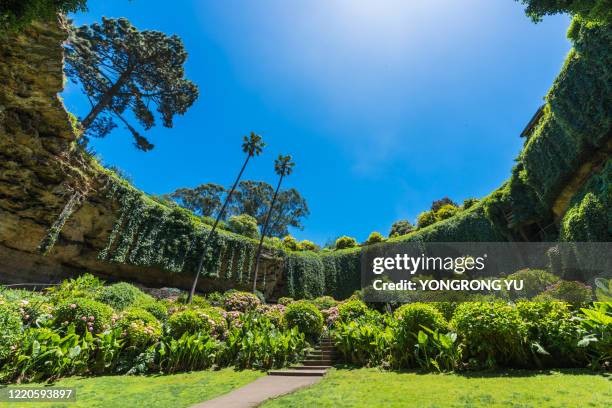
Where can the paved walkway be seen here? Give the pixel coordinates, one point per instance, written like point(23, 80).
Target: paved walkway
point(264, 388)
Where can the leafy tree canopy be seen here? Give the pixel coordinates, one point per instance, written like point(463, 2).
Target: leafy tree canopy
point(289, 210)
point(401, 227)
point(251, 198)
point(594, 10)
point(436, 205)
point(203, 200)
point(254, 197)
point(123, 70)
point(16, 14)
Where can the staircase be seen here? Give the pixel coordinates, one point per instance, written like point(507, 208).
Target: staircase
point(315, 364)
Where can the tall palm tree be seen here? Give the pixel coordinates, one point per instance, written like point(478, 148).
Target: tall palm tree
point(252, 146)
point(283, 166)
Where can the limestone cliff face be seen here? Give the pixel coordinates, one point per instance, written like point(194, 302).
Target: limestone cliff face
point(41, 170)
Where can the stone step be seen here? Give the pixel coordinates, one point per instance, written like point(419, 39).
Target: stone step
point(319, 367)
point(318, 362)
point(298, 373)
point(329, 354)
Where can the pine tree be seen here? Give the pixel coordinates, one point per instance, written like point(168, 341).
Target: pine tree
point(123, 70)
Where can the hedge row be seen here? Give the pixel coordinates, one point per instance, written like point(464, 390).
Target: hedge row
point(310, 275)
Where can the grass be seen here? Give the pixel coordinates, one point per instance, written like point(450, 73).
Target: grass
point(372, 388)
point(179, 390)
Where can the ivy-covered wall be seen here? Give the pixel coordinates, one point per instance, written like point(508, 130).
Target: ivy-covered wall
point(575, 130)
point(147, 233)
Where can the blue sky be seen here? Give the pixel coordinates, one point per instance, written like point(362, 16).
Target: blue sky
point(385, 105)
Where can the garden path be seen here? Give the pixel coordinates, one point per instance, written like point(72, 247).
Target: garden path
point(260, 390)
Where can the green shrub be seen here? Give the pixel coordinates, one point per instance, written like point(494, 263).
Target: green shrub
point(491, 333)
point(469, 203)
point(256, 342)
point(157, 309)
point(33, 307)
point(364, 341)
point(215, 299)
point(446, 212)
point(285, 300)
point(535, 281)
point(411, 317)
point(291, 243)
point(195, 301)
point(10, 329)
point(420, 338)
point(436, 205)
point(84, 314)
point(586, 222)
point(426, 219)
point(324, 302)
point(84, 286)
point(209, 321)
point(273, 312)
point(446, 308)
point(374, 238)
point(473, 225)
point(553, 333)
point(401, 227)
point(345, 242)
point(305, 316)
point(121, 295)
point(597, 341)
point(576, 293)
point(47, 354)
point(236, 301)
point(189, 352)
point(306, 245)
point(139, 327)
point(351, 309)
point(243, 224)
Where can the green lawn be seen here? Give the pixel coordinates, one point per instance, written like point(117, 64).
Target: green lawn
point(180, 390)
point(373, 388)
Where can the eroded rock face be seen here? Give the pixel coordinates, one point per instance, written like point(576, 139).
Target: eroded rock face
point(40, 170)
point(34, 131)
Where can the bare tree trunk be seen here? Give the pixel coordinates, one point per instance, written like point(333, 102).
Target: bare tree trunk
point(46, 244)
point(263, 234)
point(106, 99)
point(212, 231)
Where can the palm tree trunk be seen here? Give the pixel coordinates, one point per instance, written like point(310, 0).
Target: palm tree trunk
point(263, 234)
point(212, 231)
